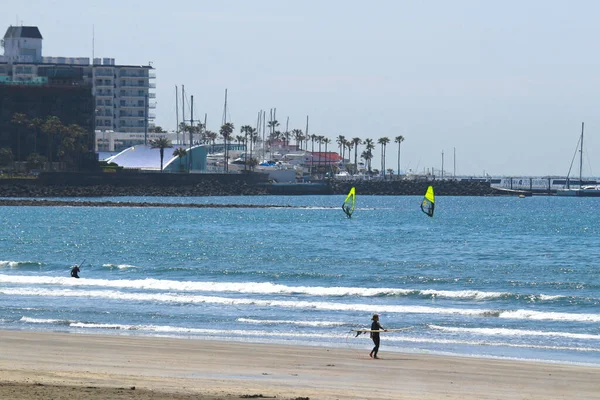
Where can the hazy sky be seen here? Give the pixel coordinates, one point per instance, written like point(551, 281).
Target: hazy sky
point(506, 83)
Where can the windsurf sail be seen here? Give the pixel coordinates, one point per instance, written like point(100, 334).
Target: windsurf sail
point(349, 203)
point(428, 203)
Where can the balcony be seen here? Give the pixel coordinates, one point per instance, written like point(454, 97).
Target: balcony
point(103, 83)
point(134, 84)
point(99, 72)
point(133, 74)
point(104, 93)
point(136, 95)
point(131, 105)
point(101, 124)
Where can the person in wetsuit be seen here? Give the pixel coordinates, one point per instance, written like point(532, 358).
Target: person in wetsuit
point(75, 272)
point(347, 211)
point(375, 326)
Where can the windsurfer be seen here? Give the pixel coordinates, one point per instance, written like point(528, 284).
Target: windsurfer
point(347, 210)
point(375, 326)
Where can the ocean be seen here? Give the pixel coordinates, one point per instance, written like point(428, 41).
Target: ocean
point(500, 277)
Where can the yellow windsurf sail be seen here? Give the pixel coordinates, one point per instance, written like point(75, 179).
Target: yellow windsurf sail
point(428, 203)
point(349, 203)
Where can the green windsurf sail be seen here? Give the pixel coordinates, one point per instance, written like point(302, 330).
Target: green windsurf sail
point(349, 203)
point(428, 203)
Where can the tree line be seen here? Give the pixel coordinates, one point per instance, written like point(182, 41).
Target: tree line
point(250, 136)
point(44, 140)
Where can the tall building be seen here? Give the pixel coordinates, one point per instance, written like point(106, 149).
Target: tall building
point(122, 94)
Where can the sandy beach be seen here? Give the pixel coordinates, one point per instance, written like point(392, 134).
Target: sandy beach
point(58, 365)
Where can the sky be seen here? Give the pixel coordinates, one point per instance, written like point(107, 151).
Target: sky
point(499, 88)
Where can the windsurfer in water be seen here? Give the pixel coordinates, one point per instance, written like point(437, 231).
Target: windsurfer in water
point(375, 326)
point(75, 271)
point(346, 209)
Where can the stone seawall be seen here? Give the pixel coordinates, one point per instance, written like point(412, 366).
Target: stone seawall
point(413, 188)
point(155, 184)
point(134, 184)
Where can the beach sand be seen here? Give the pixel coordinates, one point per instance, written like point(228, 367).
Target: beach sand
point(76, 366)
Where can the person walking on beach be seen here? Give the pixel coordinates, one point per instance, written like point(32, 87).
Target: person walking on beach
point(375, 326)
point(75, 271)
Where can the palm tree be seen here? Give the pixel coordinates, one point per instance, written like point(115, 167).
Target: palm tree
point(20, 120)
point(253, 138)
point(349, 146)
point(369, 147)
point(356, 141)
point(272, 125)
point(161, 143)
point(72, 144)
point(327, 163)
point(226, 131)
point(313, 137)
point(35, 124)
point(341, 139)
point(287, 135)
point(212, 138)
point(156, 129)
point(179, 152)
point(52, 127)
point(367, 155)
point(383, 142)
point(320, 142)
point(297, 133)
point(399, 140)
point(246, 130)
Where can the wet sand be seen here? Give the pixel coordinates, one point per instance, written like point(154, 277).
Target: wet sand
point(91, 367)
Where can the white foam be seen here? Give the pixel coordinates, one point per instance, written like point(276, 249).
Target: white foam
point(41, 320)
point(9, 264)
point(318, 305)
point(252, 287)
point(554, 316)
point(515, 332)
point(299, 323)
point(120, 266)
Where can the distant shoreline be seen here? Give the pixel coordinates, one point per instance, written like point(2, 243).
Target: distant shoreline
point(75, 203)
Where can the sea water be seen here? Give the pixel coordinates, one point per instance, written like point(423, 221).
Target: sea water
point(486, 276)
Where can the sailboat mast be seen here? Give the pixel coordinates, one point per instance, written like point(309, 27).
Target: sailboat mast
point(183, 111)
point(581, 156)
point(225, 109)
point(177, 112)
point(191, 134)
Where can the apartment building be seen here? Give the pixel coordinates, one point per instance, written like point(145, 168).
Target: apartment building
point(123, 94)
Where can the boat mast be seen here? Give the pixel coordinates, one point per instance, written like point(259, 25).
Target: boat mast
point(177, 113)
point(183, 111)
point(191, 134)
point(581, 156)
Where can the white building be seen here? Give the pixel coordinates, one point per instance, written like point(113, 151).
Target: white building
point(122, 93)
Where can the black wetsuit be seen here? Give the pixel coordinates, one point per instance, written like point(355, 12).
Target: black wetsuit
point(75, 272)
point(375, 326)
point(347, 211)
